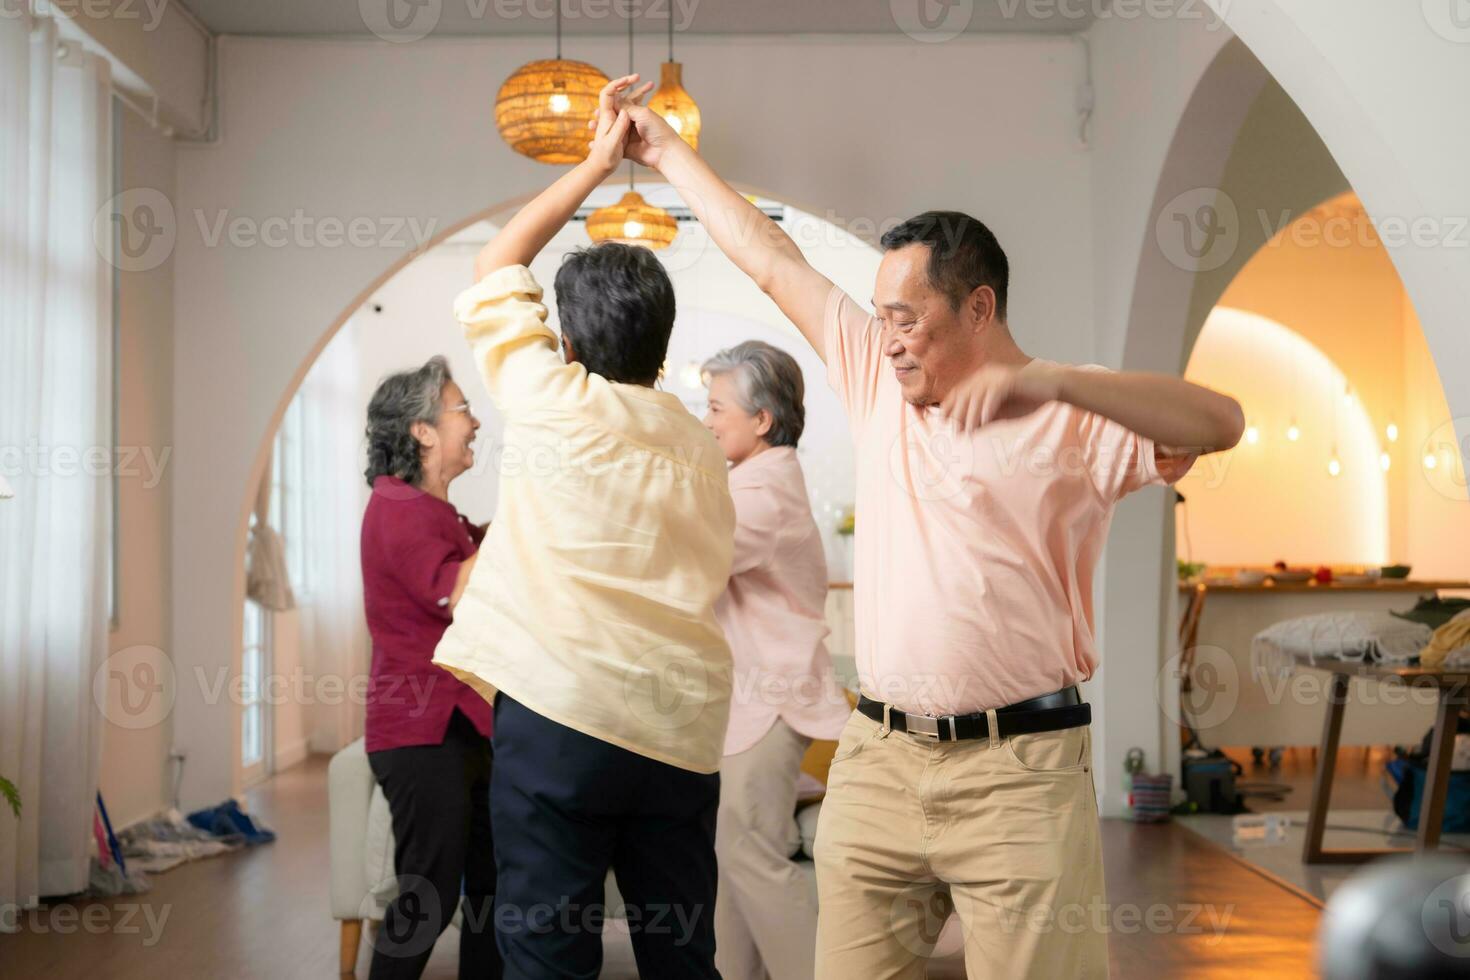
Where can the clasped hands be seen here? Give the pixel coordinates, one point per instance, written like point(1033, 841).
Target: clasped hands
point(625, 129)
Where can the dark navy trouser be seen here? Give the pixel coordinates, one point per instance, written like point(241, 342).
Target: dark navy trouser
point(567, 807)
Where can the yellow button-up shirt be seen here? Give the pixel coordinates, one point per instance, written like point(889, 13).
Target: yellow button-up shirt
point(592, 602)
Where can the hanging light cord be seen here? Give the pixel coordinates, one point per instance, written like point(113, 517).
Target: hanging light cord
point(671, 32)
point(558, 30)
point(630, 71)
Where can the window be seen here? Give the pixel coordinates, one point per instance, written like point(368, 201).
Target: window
point(254, 724)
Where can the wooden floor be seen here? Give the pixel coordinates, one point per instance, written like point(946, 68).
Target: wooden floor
point(1179, 908)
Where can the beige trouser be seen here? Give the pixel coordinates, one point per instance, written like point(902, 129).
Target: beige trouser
point(766, 914)
point(1003, 832)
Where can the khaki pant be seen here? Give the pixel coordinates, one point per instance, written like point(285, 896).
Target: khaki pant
point(766, 914)
point(1003, 832)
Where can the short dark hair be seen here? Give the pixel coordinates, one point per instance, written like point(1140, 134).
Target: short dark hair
point(963, 255)
point(616, 306)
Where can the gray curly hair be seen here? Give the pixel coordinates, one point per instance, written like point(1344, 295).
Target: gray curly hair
point(401, 400)
point(768, 378)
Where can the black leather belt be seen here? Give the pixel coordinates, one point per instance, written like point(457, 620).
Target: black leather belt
point(1047, 713)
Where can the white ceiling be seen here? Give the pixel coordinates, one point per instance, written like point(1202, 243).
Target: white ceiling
point(934, 19)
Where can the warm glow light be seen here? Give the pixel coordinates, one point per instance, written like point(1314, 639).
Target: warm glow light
point(1430, 462)
point(1293, 433)
point(1392, 432)
point(692, 376)
point(676, 105)
point(633, 221)
point(1333, 467)
point(1252, 435)
point(543, 108)
point(1384, 461)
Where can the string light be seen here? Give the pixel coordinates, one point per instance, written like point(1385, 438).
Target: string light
point(1252, 434)
point(1384, 461)
point(1292, 432)
point(1392, 431)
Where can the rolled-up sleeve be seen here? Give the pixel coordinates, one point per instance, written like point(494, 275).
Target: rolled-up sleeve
point(515, 351)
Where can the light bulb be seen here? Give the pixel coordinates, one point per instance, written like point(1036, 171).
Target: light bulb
point(676, 123)
point(1384, 461)
point(1293, 433)
point(1392, 432)
point(1252, 435)
point(1430, 462)
point(632, 229)
point(1333, 467)
point(692, 376)
point(560, 103)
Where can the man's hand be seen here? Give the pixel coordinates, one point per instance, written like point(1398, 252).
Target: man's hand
point(611, 124)
point(651, 134)
point(1002, 391)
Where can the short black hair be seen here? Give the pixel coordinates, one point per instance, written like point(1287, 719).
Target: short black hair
point(616, 306)
point(963, 255)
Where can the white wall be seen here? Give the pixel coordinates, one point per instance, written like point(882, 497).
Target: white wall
point(349, 130)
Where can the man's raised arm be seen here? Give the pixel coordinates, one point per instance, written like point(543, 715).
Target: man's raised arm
point(754, 242)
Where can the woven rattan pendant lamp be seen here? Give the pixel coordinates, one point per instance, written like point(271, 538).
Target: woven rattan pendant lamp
point(632, 221)
point(671, 100)
point(544, 107)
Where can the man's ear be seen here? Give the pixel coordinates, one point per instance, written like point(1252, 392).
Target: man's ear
point(980, 305)
point(567, 350)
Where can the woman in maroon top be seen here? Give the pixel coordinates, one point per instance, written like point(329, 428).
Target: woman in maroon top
point(428, 734)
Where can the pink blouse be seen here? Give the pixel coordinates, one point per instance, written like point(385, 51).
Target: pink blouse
point(774, 609)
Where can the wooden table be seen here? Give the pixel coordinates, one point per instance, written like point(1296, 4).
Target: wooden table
point(1452, 688)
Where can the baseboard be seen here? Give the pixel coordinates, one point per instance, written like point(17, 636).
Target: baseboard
point(289, 755)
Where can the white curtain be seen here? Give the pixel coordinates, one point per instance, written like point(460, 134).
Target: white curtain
point(332, 495)
point(55, 426)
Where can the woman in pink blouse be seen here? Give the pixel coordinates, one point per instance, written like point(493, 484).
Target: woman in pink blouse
point(785, 694)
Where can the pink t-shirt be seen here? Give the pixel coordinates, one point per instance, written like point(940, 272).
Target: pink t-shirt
point(774, 610)
point(974, 552)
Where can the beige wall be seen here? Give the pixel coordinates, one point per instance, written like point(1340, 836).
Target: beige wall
point(135, 768)
point(1328, 278)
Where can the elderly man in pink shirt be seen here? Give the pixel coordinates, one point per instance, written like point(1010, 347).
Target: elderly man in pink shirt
point(986, 480)
point(784, 694)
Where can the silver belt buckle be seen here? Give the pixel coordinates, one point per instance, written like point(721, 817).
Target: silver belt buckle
point(922, 725)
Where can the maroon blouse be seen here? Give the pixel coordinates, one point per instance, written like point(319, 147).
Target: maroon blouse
point(412, 547)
